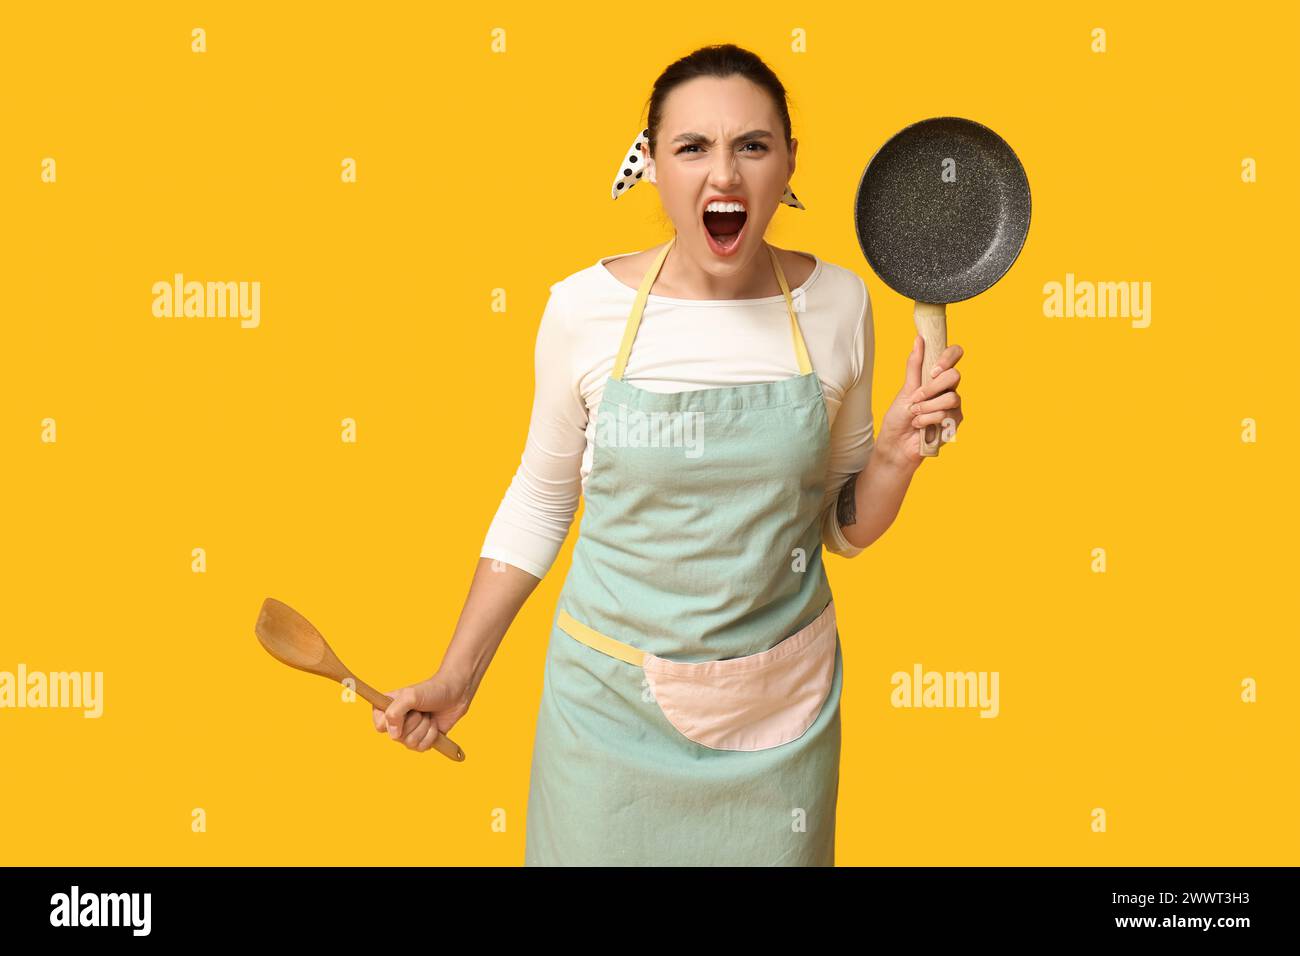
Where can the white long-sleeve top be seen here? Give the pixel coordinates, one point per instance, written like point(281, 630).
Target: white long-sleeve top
point(681, 344)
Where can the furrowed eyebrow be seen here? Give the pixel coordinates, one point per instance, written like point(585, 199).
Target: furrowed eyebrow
point(699, 139)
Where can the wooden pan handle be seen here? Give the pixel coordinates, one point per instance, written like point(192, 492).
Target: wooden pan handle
point(932, 323)
point(380, 700)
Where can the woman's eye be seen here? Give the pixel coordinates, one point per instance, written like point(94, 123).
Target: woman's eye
point(761, 147)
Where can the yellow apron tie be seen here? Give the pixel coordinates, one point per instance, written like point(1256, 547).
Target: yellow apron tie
point(593, 638)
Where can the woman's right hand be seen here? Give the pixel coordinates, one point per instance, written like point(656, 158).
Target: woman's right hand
point(420, 712)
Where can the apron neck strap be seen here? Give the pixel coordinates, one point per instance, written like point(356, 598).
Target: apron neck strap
point(642, 293)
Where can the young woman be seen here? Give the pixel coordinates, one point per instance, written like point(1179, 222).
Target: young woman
point(710, 401)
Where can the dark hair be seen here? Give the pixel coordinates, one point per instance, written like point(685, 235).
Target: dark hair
point(721, 60)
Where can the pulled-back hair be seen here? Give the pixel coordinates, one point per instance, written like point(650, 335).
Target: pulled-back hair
point(721, 60)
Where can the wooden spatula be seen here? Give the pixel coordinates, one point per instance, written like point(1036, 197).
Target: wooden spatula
point(291, 639)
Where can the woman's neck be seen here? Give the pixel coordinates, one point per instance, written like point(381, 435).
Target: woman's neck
point(687, 280)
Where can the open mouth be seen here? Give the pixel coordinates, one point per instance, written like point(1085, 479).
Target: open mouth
point(724, 228)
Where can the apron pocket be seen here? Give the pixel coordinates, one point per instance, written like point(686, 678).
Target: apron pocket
point(754, 702)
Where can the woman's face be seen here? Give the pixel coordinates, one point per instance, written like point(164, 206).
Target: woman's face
point(720, 137)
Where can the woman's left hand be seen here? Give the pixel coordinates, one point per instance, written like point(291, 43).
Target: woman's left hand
point(935, 402)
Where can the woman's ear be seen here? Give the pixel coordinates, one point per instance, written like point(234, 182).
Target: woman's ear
point(649, 162)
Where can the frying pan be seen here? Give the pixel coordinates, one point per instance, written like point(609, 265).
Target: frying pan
point(942, 212)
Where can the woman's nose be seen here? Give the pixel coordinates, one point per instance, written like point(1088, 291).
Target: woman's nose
point(723, 173)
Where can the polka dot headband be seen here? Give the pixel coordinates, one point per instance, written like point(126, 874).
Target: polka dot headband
point(630, 170)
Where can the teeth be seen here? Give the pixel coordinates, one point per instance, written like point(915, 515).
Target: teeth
point(725, 207)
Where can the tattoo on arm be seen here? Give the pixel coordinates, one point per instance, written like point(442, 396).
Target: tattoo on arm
point(846, 508)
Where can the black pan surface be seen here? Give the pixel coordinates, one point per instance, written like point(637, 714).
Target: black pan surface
point(934, 240)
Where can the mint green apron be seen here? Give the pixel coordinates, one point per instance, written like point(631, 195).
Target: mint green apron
point(700, 542)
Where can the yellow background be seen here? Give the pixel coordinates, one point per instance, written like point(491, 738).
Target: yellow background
point(480, 171)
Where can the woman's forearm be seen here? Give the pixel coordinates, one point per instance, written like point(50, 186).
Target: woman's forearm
point(496, 594)
point(869, 500)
